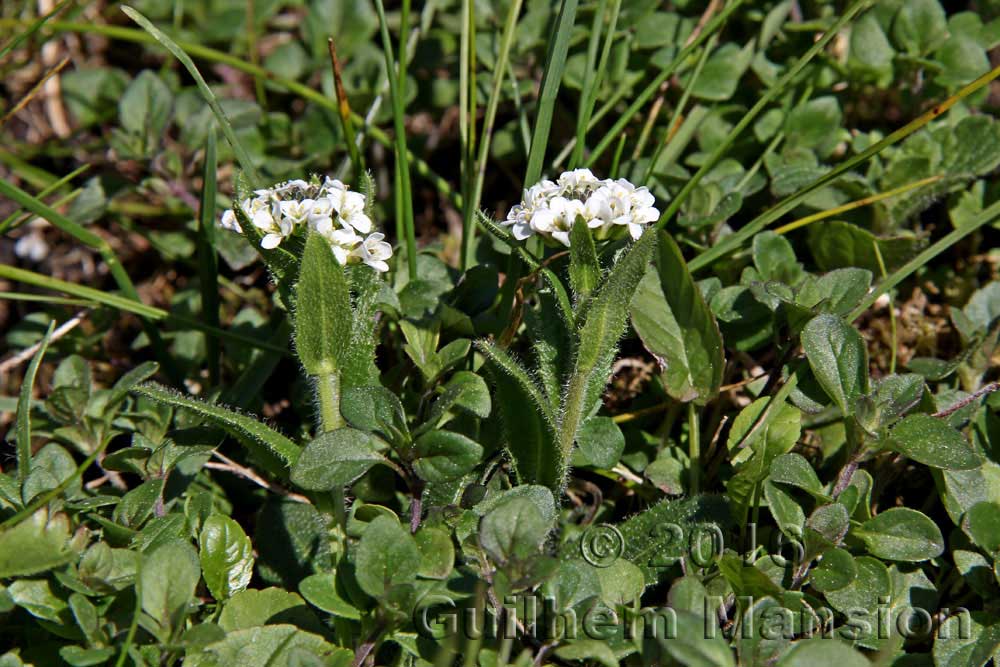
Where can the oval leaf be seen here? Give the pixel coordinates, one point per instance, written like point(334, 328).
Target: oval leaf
point(335, 459)
point(933, 442)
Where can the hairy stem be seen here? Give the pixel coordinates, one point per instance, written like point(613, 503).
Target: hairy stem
point(328, 395)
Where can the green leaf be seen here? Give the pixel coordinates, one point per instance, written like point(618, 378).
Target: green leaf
point(814, 124)
point(838, 358)
point(227, 128)
point(825, 529)
point(375, 409)
point(35, 545)
point(721, 75)
point(761, 444)
point(588, 650)
point(891, 397)
point(23, 429)
point(836, 570)
point(334, 459)
point(268, 646)
point(836, 244)
point(920, 26)
point(870, 50)
point(321, 591)
point(299, 544)
point(694, 647)
point(794, 470)
point(982, 523)
point(144, 109)
point(584, 269)
point(656, 538)
point(933, 442)
point(437, 553)
point(902, 534)
point(226, 556)
point(442, 456)
point(323, 312)
point(526, 419)
point(867, 590)
point(465, 392)
point(622, 583)
point(252, 433)
point(601, 441)
point(678, 328)
point(822, 652)
point(785, 509)
point(270, 606)
point(169, 576)
point(513, 530)
point(387, 556)
point(775, 259)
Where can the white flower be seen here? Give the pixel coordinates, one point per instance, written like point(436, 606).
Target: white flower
point(326, 207)
point(373, 251)
point(230, 222)
point(550, 209)
point(558, 219)
point(576, 180)
point(343, 241)
point(351, 207)
point(321, 215)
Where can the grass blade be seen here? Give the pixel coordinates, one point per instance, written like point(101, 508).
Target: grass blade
point(479, 173)
point(344, 112)
point(777, 89)
point(19, 38)
point(214, 55)
point(12, 220)
point(208, 260)
point(220, 115)
point(675, 117)
point(590, 79)
point(467, 123)
point(132, 306)
point(615, 132)
point(23, 434)
point(402, 155)
point(858, 203)
point(735, 240)
point(89, 238)
point(984, 217)
point(555, 63)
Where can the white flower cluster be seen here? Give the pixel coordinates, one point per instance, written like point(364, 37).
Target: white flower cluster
point(327, 208)
point(550, 208)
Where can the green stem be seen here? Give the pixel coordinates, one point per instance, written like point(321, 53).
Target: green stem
point(328, 394)
point(694, 448)
point(572, 415)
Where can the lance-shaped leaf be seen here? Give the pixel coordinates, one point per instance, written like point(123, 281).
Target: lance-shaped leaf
point(603, 318)
point(677, 326)
point(526, 418)
point(584, 270)
point(264, 442)
point(323, 309)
